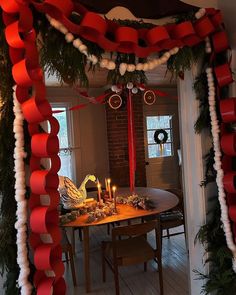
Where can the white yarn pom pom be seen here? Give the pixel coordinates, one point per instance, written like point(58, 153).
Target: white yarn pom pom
point(167, 54)
point(131, 68)
point(139, 67)
point(77, 43)
point(151, 65)
point(129, 85)
point(134, 90)
point(69, 37)
point(83, 48)
point(63, 29)
point(122, 68)
point(104, 62)
point(111, 65)
point(145, 67)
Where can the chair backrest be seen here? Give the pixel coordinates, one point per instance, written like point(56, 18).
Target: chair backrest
point(134, 229)
point(179, 195)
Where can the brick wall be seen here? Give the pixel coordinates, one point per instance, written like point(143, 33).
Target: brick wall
point(117, 132)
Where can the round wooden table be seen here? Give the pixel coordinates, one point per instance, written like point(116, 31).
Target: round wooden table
point(161, 199)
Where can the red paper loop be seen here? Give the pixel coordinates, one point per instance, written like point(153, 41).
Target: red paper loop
point(228, 109)
point(59, 287)
point(127, 38)
point(35, 112)
point(232, 212)
point(220, 41)
point(16, 54)
point(55, 164)
point(41, 218)
point(183, 30)
point(227, 163)
point(156, 35)
point(45, 286)
point(223, 75)
point(45, 255)
point(44, 145)
point(231, 199)
point(42, 182)
point(56, 9)
point(10, 6)
point(217, 18)
point(204, 27)
point(92, 26)
point(51, 201)
point(229, 182)
point(13, 37)
point(21, 75)
point(54, 126)
point(228, 144)
point(22, 94)
point(52, 237)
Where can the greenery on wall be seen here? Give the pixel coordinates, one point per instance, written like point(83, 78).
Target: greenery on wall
point(69, 65)
point(7, 192)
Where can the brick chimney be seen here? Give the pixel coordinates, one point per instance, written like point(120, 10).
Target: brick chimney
point(117, 133)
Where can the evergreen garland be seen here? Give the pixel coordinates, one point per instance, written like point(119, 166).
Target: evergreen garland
point(8, 249)
point(221, 279)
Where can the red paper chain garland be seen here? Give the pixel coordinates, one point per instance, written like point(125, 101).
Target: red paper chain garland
point(224, 77)
point(20, 36)
point(44, 199)
point(125, 39)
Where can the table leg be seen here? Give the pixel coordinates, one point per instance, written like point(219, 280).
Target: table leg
point(86, 258)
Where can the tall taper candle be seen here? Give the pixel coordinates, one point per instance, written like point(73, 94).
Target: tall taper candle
point(109, 187)
point(99, 192)
point(114, 195)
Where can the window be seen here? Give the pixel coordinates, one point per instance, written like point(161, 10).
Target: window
point(64, 142)
point(159, 122)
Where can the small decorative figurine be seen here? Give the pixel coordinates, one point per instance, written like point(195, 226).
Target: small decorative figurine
point(71, 196)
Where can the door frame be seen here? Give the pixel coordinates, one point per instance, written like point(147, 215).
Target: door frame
point(193, 148)
point(162, 109)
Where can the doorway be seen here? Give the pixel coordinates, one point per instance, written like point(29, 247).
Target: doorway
point(162, 164)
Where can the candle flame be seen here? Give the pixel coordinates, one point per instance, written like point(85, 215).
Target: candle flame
point(114, 188)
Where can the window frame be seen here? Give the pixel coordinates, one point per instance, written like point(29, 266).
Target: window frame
point(170, 128)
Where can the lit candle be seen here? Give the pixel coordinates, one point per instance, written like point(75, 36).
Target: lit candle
point(109, 187)
point(99, 192)
point(114, 195)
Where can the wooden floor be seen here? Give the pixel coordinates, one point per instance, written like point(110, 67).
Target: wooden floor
point(133, 280)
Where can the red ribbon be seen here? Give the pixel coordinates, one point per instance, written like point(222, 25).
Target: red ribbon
point(131, 144)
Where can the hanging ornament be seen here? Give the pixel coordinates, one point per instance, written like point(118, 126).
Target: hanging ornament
point(130, 85)
point(115, 101)
point(134, 90)
point(149, 97)
point(114, 88)
point(160, 137)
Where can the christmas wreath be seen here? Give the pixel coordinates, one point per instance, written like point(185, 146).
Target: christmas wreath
point(160, 136)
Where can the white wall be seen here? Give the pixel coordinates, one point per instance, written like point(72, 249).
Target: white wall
point(89, 131)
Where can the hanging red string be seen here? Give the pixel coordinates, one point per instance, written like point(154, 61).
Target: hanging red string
point(131, 144)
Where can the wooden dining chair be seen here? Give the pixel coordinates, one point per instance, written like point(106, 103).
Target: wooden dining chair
point(134, 249)
point(68, 251)
point(173, 217)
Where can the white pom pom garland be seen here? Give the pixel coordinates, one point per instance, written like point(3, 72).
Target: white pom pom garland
point(21, 212)
point(108, 63)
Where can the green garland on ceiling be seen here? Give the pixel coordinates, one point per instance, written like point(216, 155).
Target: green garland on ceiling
point(69, 65)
